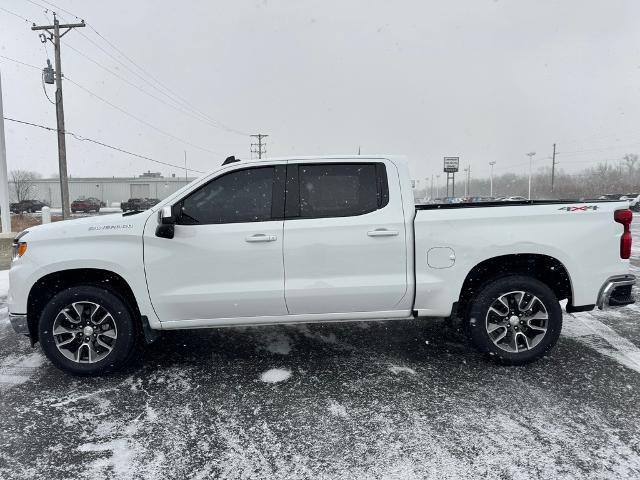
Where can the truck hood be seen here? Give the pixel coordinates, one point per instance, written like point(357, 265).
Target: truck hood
point(99, 225)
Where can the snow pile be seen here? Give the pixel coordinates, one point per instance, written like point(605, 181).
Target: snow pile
point(4, 283)
point(275, 375)
point(396, 370)
point(336, 409)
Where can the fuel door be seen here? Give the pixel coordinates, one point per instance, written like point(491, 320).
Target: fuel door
point(441, 257)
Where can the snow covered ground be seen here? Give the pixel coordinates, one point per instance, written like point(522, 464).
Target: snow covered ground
point(375, 400)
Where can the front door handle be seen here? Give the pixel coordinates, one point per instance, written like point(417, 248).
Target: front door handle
point(261, 237)
point(382, 232)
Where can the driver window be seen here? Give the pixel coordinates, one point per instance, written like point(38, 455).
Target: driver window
point(236, 197)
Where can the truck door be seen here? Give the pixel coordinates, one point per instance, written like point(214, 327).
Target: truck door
point(225, 259)
point(345, 240)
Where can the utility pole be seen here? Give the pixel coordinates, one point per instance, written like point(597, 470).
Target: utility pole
point(466, 185)
point(437, 185)
point(466, 180)
point(186, 180)
point(431, 189)
point(530, 155)
point(4, 178)
point(260, 148)
point(553, 167)
point(54, 37)
point(491, 164)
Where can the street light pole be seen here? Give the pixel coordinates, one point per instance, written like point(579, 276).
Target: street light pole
point(4, 178)
point(466, 183)
point(491, 178)
point(530, 155)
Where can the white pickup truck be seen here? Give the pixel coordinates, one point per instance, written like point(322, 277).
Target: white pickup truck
point(315, 240)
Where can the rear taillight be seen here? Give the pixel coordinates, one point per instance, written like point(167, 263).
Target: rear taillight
point(624, 217)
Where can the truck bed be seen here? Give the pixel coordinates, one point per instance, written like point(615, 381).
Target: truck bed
point(452, 240)
point(439, 206)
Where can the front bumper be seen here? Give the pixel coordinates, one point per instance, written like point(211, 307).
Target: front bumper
point(19, 323)
point(616, 292)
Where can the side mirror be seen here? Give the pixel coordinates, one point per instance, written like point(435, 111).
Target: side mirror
point(166, 223)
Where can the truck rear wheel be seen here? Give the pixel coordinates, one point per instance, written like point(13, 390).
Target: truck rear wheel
point(515, 319)
point(87, 330)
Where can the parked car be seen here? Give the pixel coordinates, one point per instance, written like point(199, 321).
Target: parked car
point(346, 243)
point(138, 204)
point(515, 198)
point(28, 206)
point(611, 196)
point(633, 199)
point(86, 205)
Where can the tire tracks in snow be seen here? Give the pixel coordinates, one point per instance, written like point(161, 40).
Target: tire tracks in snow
point(590, 331)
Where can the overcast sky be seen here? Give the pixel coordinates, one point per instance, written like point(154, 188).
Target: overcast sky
point(483, 80)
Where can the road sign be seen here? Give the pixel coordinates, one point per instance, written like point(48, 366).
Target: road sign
point(451, 164)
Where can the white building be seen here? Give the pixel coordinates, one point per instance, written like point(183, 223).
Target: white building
point(109, 190)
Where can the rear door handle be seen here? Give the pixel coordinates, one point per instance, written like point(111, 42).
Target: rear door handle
point(261, 237)
point(382, 232)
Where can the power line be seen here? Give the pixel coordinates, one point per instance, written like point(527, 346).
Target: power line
point(171, 94)
point(121, 110)
point(54, 6)
point(31, 124)
point(174, 97)
point(16, 15)
point(118, 149)
point(97, 142)
point(612, 147)
point(19, 62)
point(185, 102)
point(176, 107)
point(144, 122)
point(183, 105)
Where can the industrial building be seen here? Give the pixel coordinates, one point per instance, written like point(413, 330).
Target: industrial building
point(110, 190)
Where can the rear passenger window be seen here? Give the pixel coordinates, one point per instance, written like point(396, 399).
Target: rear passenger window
point(341, 190)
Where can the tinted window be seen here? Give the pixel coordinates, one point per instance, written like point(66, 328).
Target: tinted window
point(240, 196)
point(339, 190)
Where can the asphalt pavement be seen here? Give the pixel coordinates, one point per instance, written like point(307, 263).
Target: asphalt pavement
point(396, 399)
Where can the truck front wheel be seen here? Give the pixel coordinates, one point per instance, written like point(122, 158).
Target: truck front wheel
point(515, 319)
point(87, 330)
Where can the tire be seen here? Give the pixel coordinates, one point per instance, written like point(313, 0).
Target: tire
point(82, 315)
point(506, 319)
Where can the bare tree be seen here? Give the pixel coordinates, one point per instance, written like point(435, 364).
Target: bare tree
point(630, 160)
point(23, 184)
point(619, 177)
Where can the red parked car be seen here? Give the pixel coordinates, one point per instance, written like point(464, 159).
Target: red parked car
point(86, 205)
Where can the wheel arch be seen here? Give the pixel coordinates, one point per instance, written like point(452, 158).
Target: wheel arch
point(547, 269)
point(46, 287)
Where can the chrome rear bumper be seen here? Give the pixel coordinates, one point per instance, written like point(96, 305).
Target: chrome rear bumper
point(19, 323)
point(616, 292)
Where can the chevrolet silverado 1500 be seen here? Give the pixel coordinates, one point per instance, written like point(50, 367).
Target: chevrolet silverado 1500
point(315, 240)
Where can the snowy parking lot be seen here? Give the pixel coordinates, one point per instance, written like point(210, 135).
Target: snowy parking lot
point(361, 400)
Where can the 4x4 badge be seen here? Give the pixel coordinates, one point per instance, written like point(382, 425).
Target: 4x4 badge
point(583, 208)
